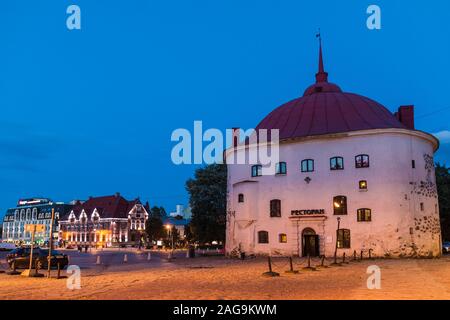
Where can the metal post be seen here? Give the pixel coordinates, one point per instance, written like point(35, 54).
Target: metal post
point(322, 261)
point(354, 255)
point(270, 273)
point(31, 250)
point(59, 271)
point(343, 258)
point(361, 255)
point(370, 253)
point(290, 264)
point(337, 232)
point(50, 244)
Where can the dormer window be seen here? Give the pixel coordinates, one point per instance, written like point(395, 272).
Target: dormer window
point(95, 217)
point(83, 217)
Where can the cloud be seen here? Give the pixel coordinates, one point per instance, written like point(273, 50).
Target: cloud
point(443, 136)
point(22, 149)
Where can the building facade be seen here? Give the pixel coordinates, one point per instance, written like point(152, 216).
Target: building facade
point(104, 222)
point(32, 211)
point(351, 176)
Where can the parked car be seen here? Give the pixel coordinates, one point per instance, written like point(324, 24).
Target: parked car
point(21, 258)
point(446, 247)
point(5, 246)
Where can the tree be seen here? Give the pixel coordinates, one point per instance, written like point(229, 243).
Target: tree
point(154, 224)
point(443, 186)
point(208, 193)
point(158, 212)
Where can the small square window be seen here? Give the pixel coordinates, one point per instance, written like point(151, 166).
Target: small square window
point(281, 168)
point(362, 185)
point(256, 170)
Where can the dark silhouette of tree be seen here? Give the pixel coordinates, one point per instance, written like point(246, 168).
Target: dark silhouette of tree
point(208, 193)
point(443, 187)
point(154, 224)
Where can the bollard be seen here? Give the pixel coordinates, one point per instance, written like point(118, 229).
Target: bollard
point(291, 267)
point(322, 262)
point(370, 253)
point(361, 255)
point(98, 260)
point(270, 273)
point(13, 271)
point(149, 256)
point(308, 267)
point(335, 263)
point(58, 275)
point(187, 253)
point(343, 258)
point(125, 258)
point(354, 255)
point(169, 257)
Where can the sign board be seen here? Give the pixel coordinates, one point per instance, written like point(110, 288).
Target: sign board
point(35, 227)
point(308, 212)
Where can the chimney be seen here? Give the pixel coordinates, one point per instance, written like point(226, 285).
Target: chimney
point(117, 195)
point(405, 115)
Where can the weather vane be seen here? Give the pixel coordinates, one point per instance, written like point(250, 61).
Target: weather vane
point(318, 35)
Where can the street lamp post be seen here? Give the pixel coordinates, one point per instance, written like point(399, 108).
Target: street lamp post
point(337, 234)
point(171, 235)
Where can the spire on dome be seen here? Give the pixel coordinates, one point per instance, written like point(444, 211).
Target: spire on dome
point(321, 76)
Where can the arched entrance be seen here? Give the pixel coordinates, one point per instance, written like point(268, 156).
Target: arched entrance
point(310, 243)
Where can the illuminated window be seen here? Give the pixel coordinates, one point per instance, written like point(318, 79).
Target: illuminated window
point(343, 238)
point(362, 185)
point(340, 205)
point(263, 237)
point(364, 215)
point(241, 197)
point(282, 238)
point(337, 163)
point(362, 161)
point(275, 208)
point(257, 170)
point(281, 168)
point(307, 165)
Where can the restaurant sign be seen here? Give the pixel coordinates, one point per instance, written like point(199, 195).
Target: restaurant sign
point(309, 212)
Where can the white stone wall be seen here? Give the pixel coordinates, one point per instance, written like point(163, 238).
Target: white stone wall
point(395, 192)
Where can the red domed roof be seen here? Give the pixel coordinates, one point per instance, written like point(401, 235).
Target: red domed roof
point(325, 109)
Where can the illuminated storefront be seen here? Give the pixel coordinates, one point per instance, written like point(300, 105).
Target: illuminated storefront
point(104, 222)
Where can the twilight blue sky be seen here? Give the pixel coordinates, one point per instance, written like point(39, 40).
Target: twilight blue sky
point(91, 112)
